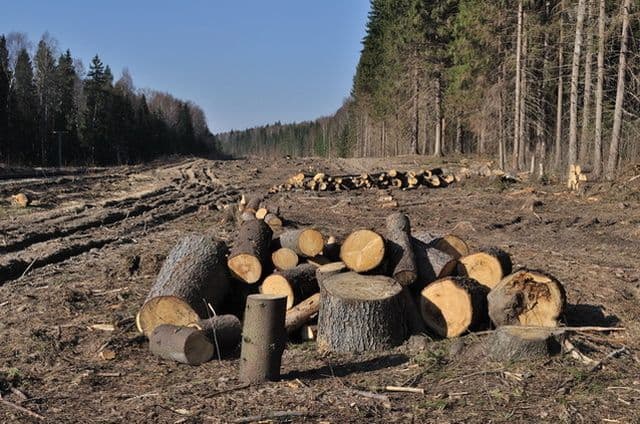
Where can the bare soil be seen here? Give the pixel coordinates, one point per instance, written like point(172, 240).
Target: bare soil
point(89, 248)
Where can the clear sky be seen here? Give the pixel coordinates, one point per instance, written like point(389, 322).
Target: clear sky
point(245, 62)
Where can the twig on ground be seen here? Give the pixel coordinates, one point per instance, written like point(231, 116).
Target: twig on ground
point(275, 415)
point(230, 389)
point(382, 398)
point(473, 374)
point(27, 269)
point(613, 354)
point(22, 409)
point(404, 389)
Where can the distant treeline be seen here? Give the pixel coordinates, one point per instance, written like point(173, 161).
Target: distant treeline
point(48, 98)
point(535, 84)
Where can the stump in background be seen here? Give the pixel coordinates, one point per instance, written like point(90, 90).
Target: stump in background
point(451, 306)
point(359, 313)
point(192, 277)
point(527, 297)
point(263, 338)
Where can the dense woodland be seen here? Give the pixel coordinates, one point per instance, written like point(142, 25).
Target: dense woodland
point(53, 112)
point(535, 84)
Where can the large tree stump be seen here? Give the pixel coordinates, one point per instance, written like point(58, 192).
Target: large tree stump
point(401, 258)
point(305, 242)
point(284, 258)
point(302, 313)
point(296, 284)
point(263, 338)
point(186, 345)
point(192, 277)
point(527, 297)
point(224, 331)
point(487, 267)
point(362, 251)
point(250, 254)
point(516, 343)
point(451, 306)
point(359, 313)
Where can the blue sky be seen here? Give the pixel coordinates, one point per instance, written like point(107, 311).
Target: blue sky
point(246, 62)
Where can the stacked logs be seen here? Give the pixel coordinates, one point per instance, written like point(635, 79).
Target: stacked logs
point(431, 178)
point(370, 291)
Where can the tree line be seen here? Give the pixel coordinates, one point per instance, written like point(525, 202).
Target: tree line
point(536, 84)
point(53, 113)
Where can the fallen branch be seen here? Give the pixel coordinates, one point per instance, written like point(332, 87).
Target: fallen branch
point(275, 415)
point(382, 398)
point(404, 389)
point(611, 355)
point(22, 409)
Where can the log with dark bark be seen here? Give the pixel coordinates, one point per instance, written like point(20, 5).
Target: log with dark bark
point(527, 297)
point(192, 277)
point(306, 242)
point(224, 331)
point(331, 249)
point(451, 306)
point(516, 343)
point(296, 284)
point(400, 254)
point(274, 222)
point(487, 267)
point(431, 263)
point(363, 250)
point(359, 313)
point(249, 257)
point(186, 345)
point(452, 245)
point(300, 314)
point(263, 338)
point(284, 258)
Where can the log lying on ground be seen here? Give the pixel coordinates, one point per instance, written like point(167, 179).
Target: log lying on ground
point(300, 314)
point(516, 343)
point(296, 284)
point(273, 222)
point(305, 242)
point(400, 249)
point(451, 306)
point(527, 297)
point(284, 258)
point(192, 277)
point(359, 313)
point(224, 331)
point(431, 263)
point(362, 251)
point(488, 267)
point(186, 345)
point(325, 271)
point(263, 338)
point(452, 245)
point(250, 253)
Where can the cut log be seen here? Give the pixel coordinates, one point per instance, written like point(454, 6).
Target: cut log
point(249, 256)
point(527, 297)
point(263, 338)
point(296, 284)
point(517, 343)
point(362, 251)
point(451, 244)
point(21, 200)
point(453, 305)
point(359, 313)
point(488, 267)
point(325, 271)
point(305, 242)
point(273, 222)
point(432, 263)
point(284, 258)
point(401, 258)
point(192, 277)
point(186, 345)
point(261, 213)
point(302, 313)
point(223, 331)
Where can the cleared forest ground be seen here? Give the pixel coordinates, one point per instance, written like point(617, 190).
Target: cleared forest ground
point(89, 249)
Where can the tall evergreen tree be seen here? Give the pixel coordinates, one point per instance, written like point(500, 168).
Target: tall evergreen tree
point(23, 146)
point(44, 79)
point(5, 78)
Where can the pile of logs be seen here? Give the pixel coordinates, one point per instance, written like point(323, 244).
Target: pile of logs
point(408, 180)
point(370, 291)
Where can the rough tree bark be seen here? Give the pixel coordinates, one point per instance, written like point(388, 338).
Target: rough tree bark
point(560, 95)
point(400, 249)
point(516, 102)
point(249, 256)
point(586, 103)
point(437, 148)
point(575, 76)
point(597, 143)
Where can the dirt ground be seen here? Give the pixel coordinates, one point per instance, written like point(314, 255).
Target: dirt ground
point(88, 250)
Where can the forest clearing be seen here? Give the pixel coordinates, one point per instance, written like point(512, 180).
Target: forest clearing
point(79, 261)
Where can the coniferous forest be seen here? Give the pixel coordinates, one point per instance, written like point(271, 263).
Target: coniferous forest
point(54, 111)
point(534, 84)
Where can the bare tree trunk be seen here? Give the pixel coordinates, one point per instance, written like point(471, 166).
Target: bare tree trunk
point(586, 104)
point(501, 143)
point(516, 102)
point(541, 145)
point(523, 136)
point(416, 114)
point(458, 135)
point(437, 150)
point(614, 148)
point(483, 135)
point(558, 141)
point(575, 76)
point(597, 143)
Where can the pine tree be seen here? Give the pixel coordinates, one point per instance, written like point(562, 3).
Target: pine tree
point(23, 146)
point(5, 78)
point(44, 78)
